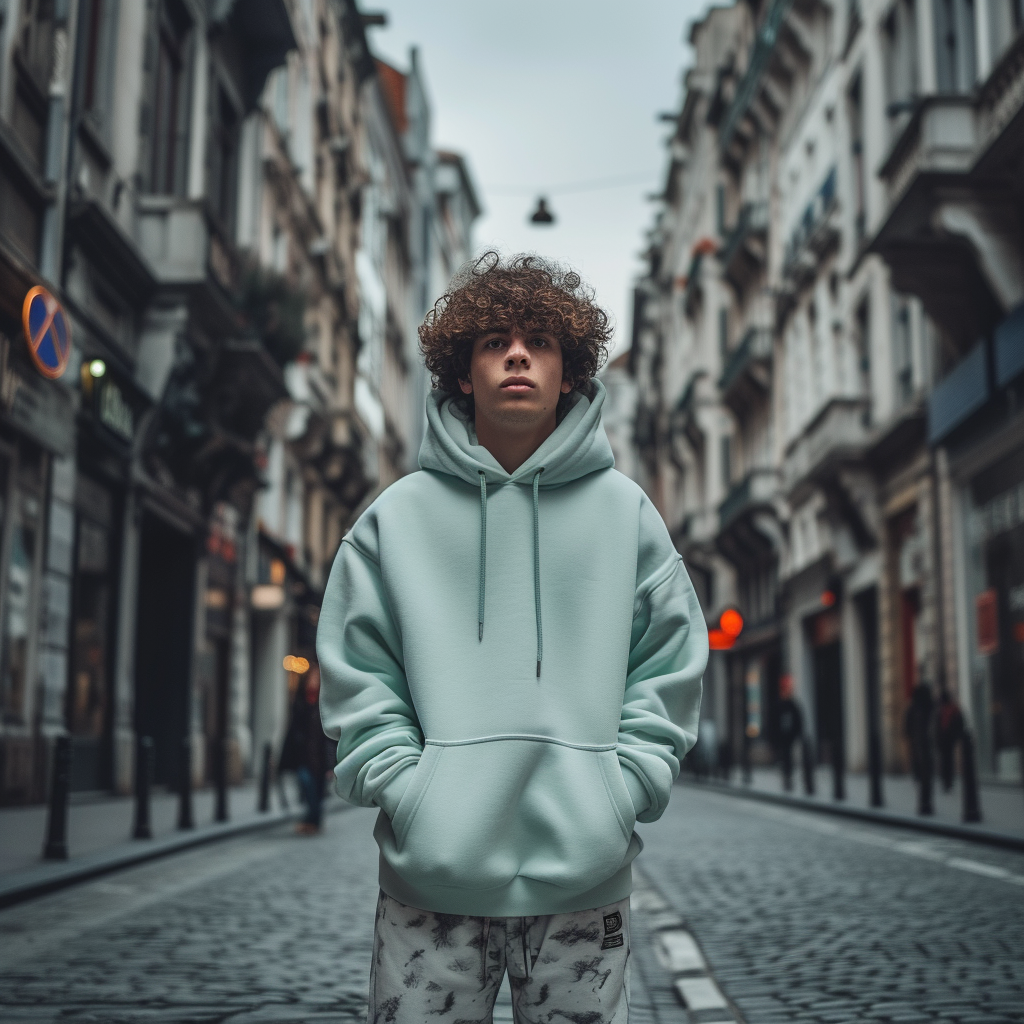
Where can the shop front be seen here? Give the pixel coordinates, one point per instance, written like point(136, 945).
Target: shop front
point(993, 519)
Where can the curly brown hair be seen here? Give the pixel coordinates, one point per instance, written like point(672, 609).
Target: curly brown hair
point(525, 293)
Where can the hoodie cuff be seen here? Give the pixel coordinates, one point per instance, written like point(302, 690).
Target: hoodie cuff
point(637, 790)
point(389, 796)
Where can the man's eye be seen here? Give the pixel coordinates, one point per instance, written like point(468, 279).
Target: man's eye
point(494, 343)
point(540, 342)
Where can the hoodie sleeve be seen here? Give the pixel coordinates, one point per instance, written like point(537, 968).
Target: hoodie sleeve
point(667, 656)
point(364, 696)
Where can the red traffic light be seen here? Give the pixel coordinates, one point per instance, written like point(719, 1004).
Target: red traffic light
point(730, 625)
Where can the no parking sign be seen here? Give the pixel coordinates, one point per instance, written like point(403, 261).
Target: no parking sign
point(47, 332)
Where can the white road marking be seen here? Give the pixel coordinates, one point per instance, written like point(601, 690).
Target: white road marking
point(700, 994)
point(676, 951)
point(922, 848)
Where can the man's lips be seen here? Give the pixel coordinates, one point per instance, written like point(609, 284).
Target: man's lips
point(517, 384)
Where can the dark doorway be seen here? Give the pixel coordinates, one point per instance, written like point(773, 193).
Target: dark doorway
point(94, 601)
point(163, 653)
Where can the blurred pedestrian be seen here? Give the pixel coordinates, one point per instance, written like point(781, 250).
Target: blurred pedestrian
point(949, 731)
point(917, 728)
point(305, 750)
point(791, 729)
point(512, 656)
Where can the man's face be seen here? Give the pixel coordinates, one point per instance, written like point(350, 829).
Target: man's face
point(515, 378)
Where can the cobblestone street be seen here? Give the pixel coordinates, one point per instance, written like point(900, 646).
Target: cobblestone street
point(801, 918)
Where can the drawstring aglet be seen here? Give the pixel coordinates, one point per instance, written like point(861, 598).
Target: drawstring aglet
point(480, 633)
point(538, 670)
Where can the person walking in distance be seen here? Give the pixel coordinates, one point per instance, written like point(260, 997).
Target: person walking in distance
point(791, 728)
point(511, 656)
point(917, 727)
point(304, 750)
point(949, 731)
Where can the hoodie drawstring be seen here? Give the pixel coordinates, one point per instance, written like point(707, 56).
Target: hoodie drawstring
point(483, 556)
point(482, 585)
point(536, 566)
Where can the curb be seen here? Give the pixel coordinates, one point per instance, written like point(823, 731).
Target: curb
point(985, 836)
point(50, 876)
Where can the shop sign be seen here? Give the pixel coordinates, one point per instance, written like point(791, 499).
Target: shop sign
point(987, 607)
point(114, 412)
point(47, 332)
point(41, 410)
point(1002, 513)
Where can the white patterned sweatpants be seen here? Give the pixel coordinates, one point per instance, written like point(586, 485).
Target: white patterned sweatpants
point(562, 969)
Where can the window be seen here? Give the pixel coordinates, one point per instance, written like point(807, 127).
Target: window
point(726, 462)
point(901, 76)
point(862, 346)
point(34, 49)
point(955, 45)
point(170, 102)
point(903, 349)
point(720, 209)
point(855, 107)
point(1006, 19)
point(723, 333)
point(97, 21)
point(224, 159)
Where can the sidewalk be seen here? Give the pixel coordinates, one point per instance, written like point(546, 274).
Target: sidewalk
point(1002, 807)
point(100, 834)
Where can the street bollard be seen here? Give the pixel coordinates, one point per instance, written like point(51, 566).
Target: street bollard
point(748, 775)
point(265, 779)
point(143, 782)
point(875, 768)
point(838, 770)
point(221, 779)
point(972, 802)
point(185, 785)
point(56, 847)
point(807, 753)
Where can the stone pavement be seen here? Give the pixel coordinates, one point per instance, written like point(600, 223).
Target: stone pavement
point(1002, 805)
point(96, 824)
point(799, 917)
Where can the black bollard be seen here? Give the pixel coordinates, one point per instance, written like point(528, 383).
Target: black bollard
point(972, 802)
point(220, 777)
point(838, 768)
point(748, 775)
point(875, 768)
point(185, 785)
point(56, 847)
point(265, 779)
point(143, 782)
point(807, 754)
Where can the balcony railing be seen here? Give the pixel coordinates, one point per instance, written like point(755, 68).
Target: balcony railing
point(745, 241)
point(183, 244)
point(838, 434)
point(759, 57)
point(754, 353)
point(815, 232)
point(755, 490)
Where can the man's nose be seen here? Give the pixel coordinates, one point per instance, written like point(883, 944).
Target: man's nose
point(518, 354)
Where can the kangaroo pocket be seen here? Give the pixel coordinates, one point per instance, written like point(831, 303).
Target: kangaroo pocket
point(478, 814)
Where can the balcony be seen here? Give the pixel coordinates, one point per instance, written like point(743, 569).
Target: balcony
point(951, 179)
point(816, 234)
point(746, 378)
point(755, 491)
point(745, 251)
point(683, 417)
point(837, 436)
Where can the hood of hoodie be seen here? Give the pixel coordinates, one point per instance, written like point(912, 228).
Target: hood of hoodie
point(577, 446)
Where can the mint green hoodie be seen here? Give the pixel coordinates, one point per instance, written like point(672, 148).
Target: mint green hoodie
point(511, 664)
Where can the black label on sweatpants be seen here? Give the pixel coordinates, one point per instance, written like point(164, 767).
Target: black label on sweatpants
point(612, 923)
point(611, 941)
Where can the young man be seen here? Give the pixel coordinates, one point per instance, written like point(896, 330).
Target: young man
point(511, 656)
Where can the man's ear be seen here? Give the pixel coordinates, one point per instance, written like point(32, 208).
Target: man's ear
point(566, 387)
point(467, 386)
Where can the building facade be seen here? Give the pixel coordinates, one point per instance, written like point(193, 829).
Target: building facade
point(791, 367)
point(229, 214)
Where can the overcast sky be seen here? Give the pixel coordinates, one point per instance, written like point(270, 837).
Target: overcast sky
point(546, 94)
